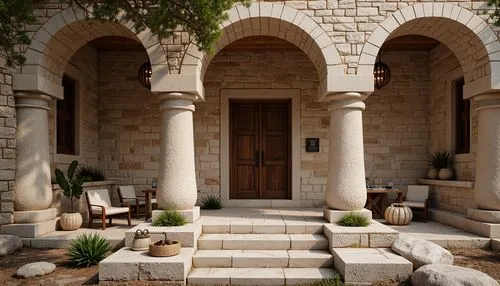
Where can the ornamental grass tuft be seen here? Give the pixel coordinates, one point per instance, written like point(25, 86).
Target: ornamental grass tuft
point(169, 217)
point(88, 249)
point(354, 219)
point(211, 202)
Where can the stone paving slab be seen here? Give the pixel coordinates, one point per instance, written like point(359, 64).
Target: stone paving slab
point(236, 276)
point(365, 265)
point(187, 234)
point(375, 235)
point(304, 276)
point(126, 264)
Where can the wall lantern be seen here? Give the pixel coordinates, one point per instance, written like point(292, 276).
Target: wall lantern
point(381, 74)
point(144, 75)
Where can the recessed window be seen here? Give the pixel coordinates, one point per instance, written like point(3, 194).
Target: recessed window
point(66, 119)
point(462, 118)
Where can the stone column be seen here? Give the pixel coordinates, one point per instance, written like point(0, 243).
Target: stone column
point(177, 177)
point(346, 189)
point(33, 186)
point(487, 184)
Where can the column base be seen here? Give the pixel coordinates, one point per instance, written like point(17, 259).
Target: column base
point(333, 216)
point(30, 224)
point(483, 215)
point(191, 215)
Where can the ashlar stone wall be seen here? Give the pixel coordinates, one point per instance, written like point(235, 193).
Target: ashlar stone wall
point(7, 143)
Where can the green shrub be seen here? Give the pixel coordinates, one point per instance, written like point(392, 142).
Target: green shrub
point(211, 202)
point(90, 174)
point(169, 218)
point(71, 185)
point(335, 281)
point(88, 249)
point(354, 219)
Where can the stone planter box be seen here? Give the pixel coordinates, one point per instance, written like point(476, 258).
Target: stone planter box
point(63, 204)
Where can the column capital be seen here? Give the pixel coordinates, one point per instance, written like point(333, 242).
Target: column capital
point(29, 99)
point(487, 100)
point(345, 100)
point(177, 100)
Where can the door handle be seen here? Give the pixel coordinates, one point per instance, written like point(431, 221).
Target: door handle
point(257, 158)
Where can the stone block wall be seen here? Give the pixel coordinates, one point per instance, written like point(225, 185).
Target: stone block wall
point(395, 122)
point(7, 143)
point(83, 69)
point(444, 69)
point(129, 121)
point(450, 198)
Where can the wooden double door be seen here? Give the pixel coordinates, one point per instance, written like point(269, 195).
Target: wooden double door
point(260, 149)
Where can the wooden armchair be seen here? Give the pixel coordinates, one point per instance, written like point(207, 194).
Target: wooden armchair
point(417, 196)
point(99, 206)
point(128, 195)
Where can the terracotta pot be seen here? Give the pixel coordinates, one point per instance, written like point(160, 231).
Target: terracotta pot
point(398, 214)
point(445, 174)
point(70, 221)
point(433, 174)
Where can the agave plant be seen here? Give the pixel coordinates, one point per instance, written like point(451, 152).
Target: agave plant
point(211, 202)
point(441, 160)
point(88, 249)
point(72, 186)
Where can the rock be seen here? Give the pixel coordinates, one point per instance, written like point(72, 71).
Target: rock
point(35, 269)
point(9, 244)
point(421, 252)
point(445, 275)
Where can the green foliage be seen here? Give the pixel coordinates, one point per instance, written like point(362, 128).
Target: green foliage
point(72, 186)
point(495, 15)
point(14, 15)
point(211, 202)
point(335, 281)
point(90, 174)
point(88, 249)
point(441, 160)
point(169, 218)
point(353, 219)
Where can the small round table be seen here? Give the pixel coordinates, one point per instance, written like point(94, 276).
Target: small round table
point(398, 214)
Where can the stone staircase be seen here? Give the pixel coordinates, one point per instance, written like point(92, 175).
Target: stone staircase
point(258, 255)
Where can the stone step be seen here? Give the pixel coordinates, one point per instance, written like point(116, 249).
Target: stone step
point(262, 258)
point(258, 276)
point(262, 241)
point(259, 226)
point(373, 263)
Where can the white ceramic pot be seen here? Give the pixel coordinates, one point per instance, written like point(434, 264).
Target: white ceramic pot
point(70, 221)
point(433, 174)
point(445, 174)
point(398, 214)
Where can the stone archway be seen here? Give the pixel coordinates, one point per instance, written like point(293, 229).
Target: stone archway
point(61, 36)
point(468, 36)
point(276, 20)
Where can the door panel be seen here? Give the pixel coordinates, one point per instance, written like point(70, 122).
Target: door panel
point(260, 149)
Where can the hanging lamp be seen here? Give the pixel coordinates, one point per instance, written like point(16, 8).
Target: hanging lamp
point(144, 75)
point(381, 74)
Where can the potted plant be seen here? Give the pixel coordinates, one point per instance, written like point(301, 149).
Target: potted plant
point(434, 165)
point(165, 247)
point(445, 172)
point(72, 189)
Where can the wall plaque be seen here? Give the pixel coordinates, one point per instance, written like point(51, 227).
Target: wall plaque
point(312, 144)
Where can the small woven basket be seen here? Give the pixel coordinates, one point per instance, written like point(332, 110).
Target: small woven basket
point(165, 249)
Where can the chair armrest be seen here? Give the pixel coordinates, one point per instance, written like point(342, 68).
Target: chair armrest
point(125, 205)
point(103, 208)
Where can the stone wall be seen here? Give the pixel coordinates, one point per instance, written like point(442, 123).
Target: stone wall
point(7, 143)
point(444, 69)
point(395, 122)
point(451, 198)
point(129, 121)
point(83, 69)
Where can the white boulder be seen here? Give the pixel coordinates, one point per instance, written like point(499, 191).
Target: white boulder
point(35, 269)
point(421, 252)
point(446, 275)
point(9, 244)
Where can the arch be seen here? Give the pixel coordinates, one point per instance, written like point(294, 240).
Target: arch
point(271, 19)
point(468, 36)
point(62, 35)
